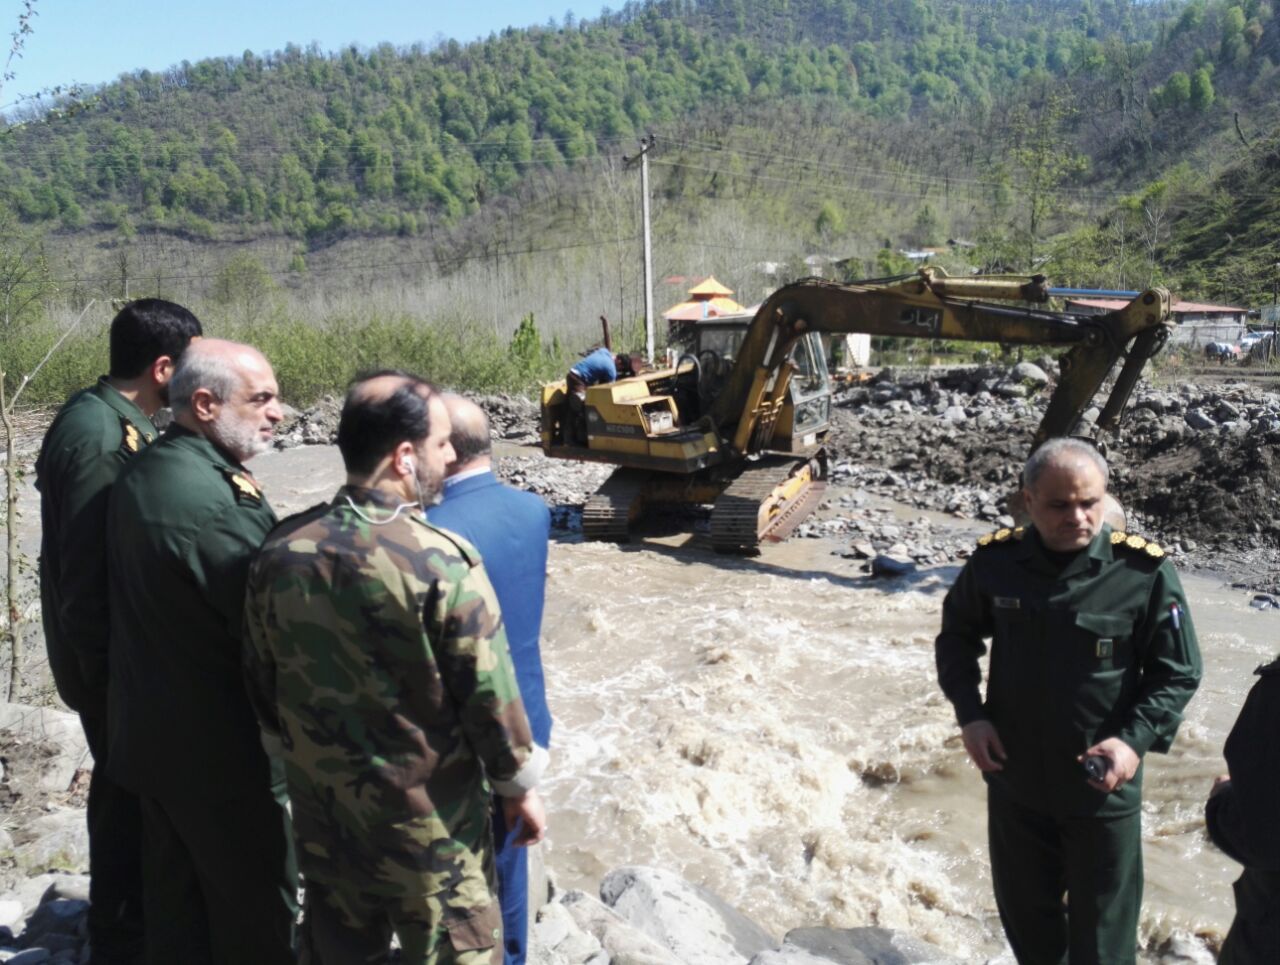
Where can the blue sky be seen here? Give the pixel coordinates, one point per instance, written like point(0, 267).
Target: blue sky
point(94, 41)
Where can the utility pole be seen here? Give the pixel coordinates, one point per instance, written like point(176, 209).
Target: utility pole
point(646, 145)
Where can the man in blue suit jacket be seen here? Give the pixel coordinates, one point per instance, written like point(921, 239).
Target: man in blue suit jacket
point(510, 528)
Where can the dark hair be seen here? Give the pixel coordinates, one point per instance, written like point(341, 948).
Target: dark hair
point(144, 330)
point(373, 424)
point(624, 366)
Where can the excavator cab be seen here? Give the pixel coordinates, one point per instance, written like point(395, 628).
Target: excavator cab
point(709, 350)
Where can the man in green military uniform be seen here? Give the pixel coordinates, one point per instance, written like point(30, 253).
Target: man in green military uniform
point(1241, 818)
point(1093, 659)
point(377, 660)
point(184, 521)
point(94, 435)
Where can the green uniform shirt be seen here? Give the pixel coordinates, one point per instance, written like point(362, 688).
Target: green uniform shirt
point(1101, 648)
point(376, 654)
point(184, 523)
point(96, 432)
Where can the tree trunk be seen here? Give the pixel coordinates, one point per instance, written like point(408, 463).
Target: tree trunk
point(12, 632)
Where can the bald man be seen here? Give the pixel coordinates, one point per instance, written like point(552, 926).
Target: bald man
point(1093, 658)
point(377, 660)
point(183, 524)
point(510, 528)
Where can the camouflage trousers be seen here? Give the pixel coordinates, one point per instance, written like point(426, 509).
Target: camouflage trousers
point(345, 926)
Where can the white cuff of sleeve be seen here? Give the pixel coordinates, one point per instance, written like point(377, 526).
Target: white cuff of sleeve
point(525, 779)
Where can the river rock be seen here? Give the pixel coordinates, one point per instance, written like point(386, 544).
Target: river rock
point(53, 920)
point(57, 841)
point(11, 913)
point(624, 943)
point(1027, 372)
point(32, 956)
point(58, 731)
point(886, 565)
point(556, 939)
point(789, 956)
point(1198, 420)
point(860, 946)
point(696, 925)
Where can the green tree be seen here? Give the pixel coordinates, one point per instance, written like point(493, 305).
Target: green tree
point(1043, 161)
point(25, 279)
point(1202, 94)
point(830, 221)
point(244, 288)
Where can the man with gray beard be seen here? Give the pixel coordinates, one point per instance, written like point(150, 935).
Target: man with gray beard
point(184, 522)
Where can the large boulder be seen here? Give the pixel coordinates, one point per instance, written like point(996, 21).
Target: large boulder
point(1029, 373)
point(624, 943)
point(58, 841)
point(696, 925)
point(60, 736)
point(856, 946)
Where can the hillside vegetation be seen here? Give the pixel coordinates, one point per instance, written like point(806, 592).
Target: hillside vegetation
point(1113, 143)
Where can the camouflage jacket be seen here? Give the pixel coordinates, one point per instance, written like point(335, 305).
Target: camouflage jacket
point(376, 655)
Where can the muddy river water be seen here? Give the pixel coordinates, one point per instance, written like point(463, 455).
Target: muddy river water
point(772, 728)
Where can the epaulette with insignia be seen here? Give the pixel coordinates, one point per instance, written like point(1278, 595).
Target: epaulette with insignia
point(132, 440)
point(1132, 541)
point(243, 485)
point(1002, 535)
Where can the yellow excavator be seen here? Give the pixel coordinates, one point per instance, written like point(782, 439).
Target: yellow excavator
point(739, 421)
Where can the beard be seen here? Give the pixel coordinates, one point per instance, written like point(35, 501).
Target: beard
point(238, 437)
point(430, 483)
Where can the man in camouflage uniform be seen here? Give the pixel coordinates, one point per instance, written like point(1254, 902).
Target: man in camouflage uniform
point(377, 661)
point(184, 521)
point(1093, 658)
point(93, 437)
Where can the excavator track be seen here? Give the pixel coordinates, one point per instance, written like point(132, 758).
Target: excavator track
point(766, 501)
point(607, 515)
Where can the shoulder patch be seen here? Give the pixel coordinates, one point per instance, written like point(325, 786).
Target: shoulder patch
point(244, 487)
point(1137, 544)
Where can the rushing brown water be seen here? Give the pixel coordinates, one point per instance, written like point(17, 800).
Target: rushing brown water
point(772, 729)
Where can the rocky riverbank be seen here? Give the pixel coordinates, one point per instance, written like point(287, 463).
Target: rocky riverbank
point(1195, 466)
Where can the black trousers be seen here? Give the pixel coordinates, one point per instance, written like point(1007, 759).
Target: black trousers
point(115, 859)
point(1037, 860)
point(221, 880)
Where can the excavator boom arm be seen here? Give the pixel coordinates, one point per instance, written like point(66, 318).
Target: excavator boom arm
point(934, 306)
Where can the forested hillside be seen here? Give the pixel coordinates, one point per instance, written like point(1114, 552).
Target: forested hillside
point(1106, 141)
point(391, 140)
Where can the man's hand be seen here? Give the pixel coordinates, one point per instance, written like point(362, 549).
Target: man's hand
point(527, 816)
point(983, 744)
point(1122, 759)
point(1219, 785)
